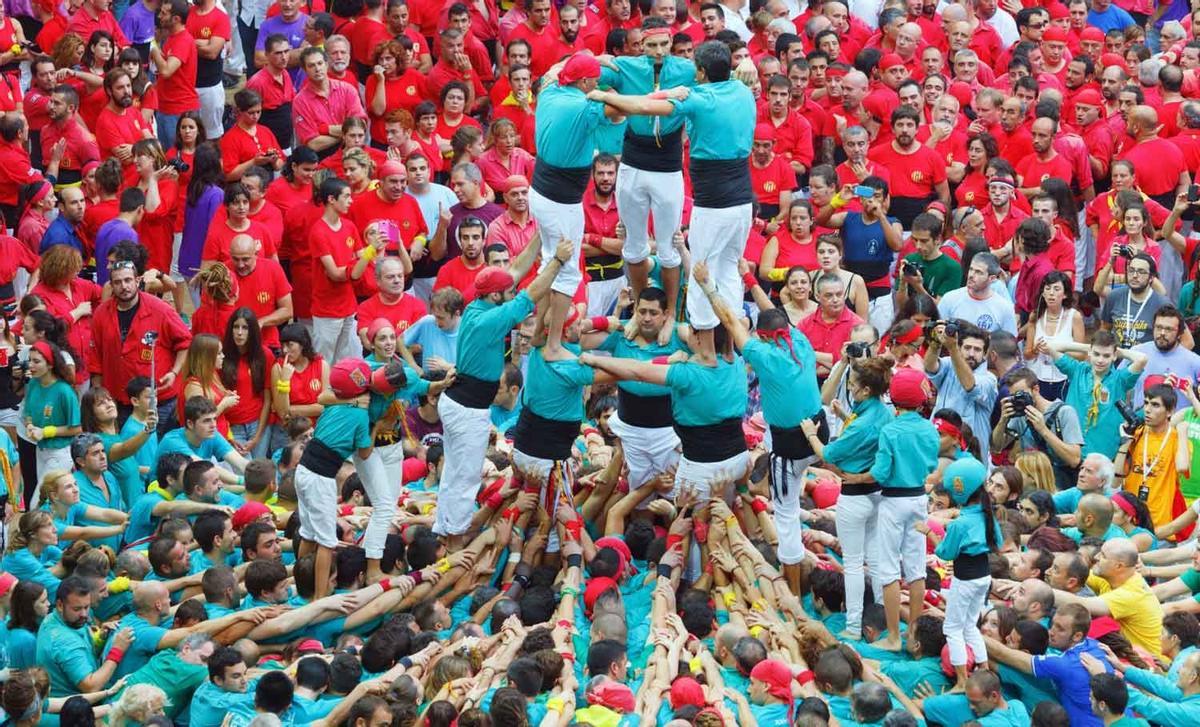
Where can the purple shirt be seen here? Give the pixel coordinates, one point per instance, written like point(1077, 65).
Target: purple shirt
point(196, 219)
point(138, 23)
point(293, 31)
point(110, 233)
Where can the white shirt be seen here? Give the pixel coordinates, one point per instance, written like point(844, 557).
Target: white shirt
point(1005, 26)
point(867, 11)
point(734, 22)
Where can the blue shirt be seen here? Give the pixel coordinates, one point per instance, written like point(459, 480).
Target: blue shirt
point(1072, 680)
point(704, 395)
point(951, 709)
point(1114, 18)
point(566, 123)
point(721, 120)
point(124, 470)
point(213, 449)
point(1098, 416)
point(908, 452)
point(116, 229)
point(967, 534)
point(28, 567)
point(210, 703)
point(854, 449)
point(344, 428)
point(975, 406)
point(621, 347)
point(554, 389)
point(432, 340)
point(66, 653)
point(481, 334)
point(634, 76)
point(60, 232)
point(787, 376)
point(90, 494)
point(147, 454)
point(145, 643)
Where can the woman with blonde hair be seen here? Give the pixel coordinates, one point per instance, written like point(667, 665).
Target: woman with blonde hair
point(137, 705)
point(160, 182)
point(201, 377)
point(62, 492)
point(33, 553)
point(1036, 471)
point(446, 670)
point(218, 299)
point(466, 145)
point(503, 156)
point(70, 298)
point(359, 172)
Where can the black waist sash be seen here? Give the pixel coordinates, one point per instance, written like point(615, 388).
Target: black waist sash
point(648, 412)
point(970, 567)
point(471, 392)
point(561, 184)
point(654, 153)
point(538, 436)
point(319, 459)
point(712, 442)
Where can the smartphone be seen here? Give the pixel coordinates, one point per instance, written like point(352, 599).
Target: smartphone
point(861, 190)
point(1194, 193)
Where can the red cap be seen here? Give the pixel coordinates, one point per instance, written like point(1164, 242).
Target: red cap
point(492, 280)
point(1113, 59)
point(890, 60)
point(910, 388)
point(962, 92)
point(614, 695)
point(684, 691)
point(825, 493)
point(349, 378)
point(7, 582)
point(596, 587)
point(514, 181)
point(1057, 11)
point(1089, 97)
point(764, 132)
point(310, 646)
point(1092, 33)
point(1054, 34)
point(1103, 626)
point(623, 551)
point(378, 325)
point(413, 469)
point(579, 67)
point(391, 167)
point(248, 513)
point(776, 675)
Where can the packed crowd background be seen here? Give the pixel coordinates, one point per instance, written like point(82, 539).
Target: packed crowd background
point(445, 362)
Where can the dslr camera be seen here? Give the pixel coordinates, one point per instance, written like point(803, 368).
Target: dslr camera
point(1019, 402)
point(909, 268)
point(178, 165)
point(858, 349)
point(952, 328)
point(1129, 414)
point(1125, 251)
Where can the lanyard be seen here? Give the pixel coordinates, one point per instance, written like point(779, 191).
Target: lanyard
point(1145, 450)
point(1129, 319)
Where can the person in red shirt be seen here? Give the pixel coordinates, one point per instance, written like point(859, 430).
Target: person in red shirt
point(540, 34)
point(261, 286)
point(1158, 164)
point(94, 15)
point(367, 33)
point(1062, 243)
point(15, 168)
point(120, 350)
point(459, 16)
point(292, 195)
point(158, 181)
point(1095, 131)
point(395, 213)
point(1044, 162)
point(237, 222)
point(1001, 219)
point(454, 65)
point(209, 26)
point(339, 259)
point(401, 309)
point(921, 173)
point(1013, 135)
point(249, 143)
point(256, 180)
point(398, 25)
point(771, 176)
point(793, 133)
point(392, 84)
point(36, 104)
point(459, 273)
point(857, 167)
point(273, 83)
point(66, 143)
point(120, 125)
point(175, 64)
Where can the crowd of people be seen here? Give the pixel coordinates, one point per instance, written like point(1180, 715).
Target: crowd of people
point(463, 363)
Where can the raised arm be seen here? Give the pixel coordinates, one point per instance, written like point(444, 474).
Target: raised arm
point(625, 369)
point(732, 323)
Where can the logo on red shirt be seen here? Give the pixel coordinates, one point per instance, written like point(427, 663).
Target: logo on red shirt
point(917, 176)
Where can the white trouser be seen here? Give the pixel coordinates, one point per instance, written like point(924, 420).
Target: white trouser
point(901, 547)
point(384, 493)
point(787, 487)
point(641, 193)
point(648, 451)
point(1085, 254)
point(557, 221)
point(317, 497)
point(964, 603)
point(701, 475)
point(335, 338)
point(717, 237)
point(602, 295)
point(856, 517)
point(541, 468)
point(49, 460)
point(212, 108)
point(465, 439)
point(881, 313)
point(393, 463)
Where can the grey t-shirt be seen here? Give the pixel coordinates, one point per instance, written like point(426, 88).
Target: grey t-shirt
point(1132, 322)
point(1063, 421)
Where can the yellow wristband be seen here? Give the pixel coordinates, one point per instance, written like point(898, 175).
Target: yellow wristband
point(369, 252)
point(283, 387)
point(756, 630)
point(120, 584)
point(730, 598)
point(777, 275)
point(837, 202)
point(443, 565)
point(731, 521)
point(49, 431)
point(759, 605)
point(554, 704)
point(695, 665)
point(428, 508)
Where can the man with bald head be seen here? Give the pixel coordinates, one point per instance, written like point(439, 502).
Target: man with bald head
point(152, 606)
point(261, 286)
point(1159, 166)
point(1123, 594)
point(1093, 519)
point(980, 37)
point(1034, 601)
point(855, 85)
point(945, 138)
point(1045, 162)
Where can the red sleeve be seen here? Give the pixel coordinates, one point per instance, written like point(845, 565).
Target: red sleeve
point(939, 168)
point(212, 243)
point(803, 150)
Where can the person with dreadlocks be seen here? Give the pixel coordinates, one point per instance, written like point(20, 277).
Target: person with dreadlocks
point(968, 540)
point(218, 300)
point(786, 366)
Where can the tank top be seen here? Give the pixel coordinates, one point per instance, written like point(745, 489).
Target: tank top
point(1043, 365)
point(866, 251)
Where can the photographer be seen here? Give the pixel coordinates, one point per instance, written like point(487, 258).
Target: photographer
point(928, 270)
point(1029, 420)
point(963, 381)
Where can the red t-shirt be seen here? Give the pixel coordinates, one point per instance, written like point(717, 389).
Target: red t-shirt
point(177, 93)
point(403, 313)
point(455, 274)
point(114, 129)
point(260, 291)
point(772, 179)
point(333, 299)
point(250, 399)
point(1157, 164)
point(403, 92)
point(239, 146)
point(366, 35)
point(1032, 171)
point(404, 214)
point(220, 236)
point(916, 173)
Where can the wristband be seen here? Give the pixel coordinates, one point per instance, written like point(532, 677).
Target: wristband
point(565, 624)
point(758, 505)
point(741, 488)
point(756, 630)
point(406, 662)
point(731, 522)
point(443, 565)
point(518, 532)
point(569, 590)
point(600, 323)
point(428, 507)
point(521, 580)
point(663, 570)
point(120, 584)
point(749, 280)
point(114, 655)
point(49, 431)
point(575, 560)
point(369, 252)
point(511, 514)
point(417, 577)
point(386, 584)
point(494, 501)
point(567, 656)
point(837, 202)
point(730, 598)
point(805, 677)
point(345, 510)
point(759, 605)
point(673, 540)
point(574, 530)
point(701, 532)
point(695, 665)
point(554, 704)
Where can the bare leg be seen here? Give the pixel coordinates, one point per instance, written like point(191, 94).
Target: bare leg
point(916, 602)
point(670, 281)
point(374, 571)
point(793, 574)
point(322, 567)
point(559, 305)
point(891, 607)
point(639, 277)
point(307, 547)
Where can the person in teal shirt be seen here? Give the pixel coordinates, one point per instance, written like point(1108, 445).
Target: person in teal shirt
point(50, 410)
point(463, 407)
point(64, 643)
point(97, 487)
point(198, 438)
point(908, 453)
point(33, 551)
point(226, 689)
point(1095, 387)
point(163, 498)
point(99, 415)
point(1110, 698)
point(141, 394)
point(983, 703)
point(924, 644)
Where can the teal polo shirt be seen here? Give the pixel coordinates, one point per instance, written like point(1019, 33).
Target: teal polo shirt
point(145, 643)
point(967, 534)
point(125, 470)
point(703, 395)
point(635, 76)
point(215, 448)
point(908, 451)
point(554, 389)
point(1113, 532)
point(90, 494)
point(141, 517)
point(210, 704)
point(854, 449)
point(909, 673)
point(954, 709)
point(56, 405)
point(66, 654)
point(482, 330)
point(344, 428)
point(28, 567)
point(566, 123)
point(787, 379)
point(722, 117)
point(621, 347)
point(1101, 432)
point(147, 454)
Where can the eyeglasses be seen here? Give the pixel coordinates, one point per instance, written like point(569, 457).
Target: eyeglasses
point(121, 265)
point(1137, 271)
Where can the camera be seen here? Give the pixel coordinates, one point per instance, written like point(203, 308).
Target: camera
point(858, 349)
point(952, 328)
point(1125, 251)
point(178, 165)
point(1019, 402)
point(908, 268)
point(1129, 414)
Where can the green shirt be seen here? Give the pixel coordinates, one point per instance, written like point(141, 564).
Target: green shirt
point(939, 275)
point(554, 389)
point(854, 449)
point(621, 347)
point(1098, 416)
point(66, 653)
point(566, 123)
point(173, 675)
point(54, 405)
point(1190, 485)
point(635, 76)
point(908, 451)
point(704, 395)
point(721, 120)
point(344, 428)
point(787, 379)
point(482, 330)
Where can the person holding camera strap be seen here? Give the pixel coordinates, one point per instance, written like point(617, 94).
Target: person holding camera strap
point(1153, 456)
point(1029, 420)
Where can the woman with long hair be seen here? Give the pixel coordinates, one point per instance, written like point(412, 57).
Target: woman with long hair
point(1056, 322)
point(1036, 470)
point(145, 95)
point(829, 262)
point(292, 193)
point(392, 85)
point(201, 377)
point(158, 180)
point(98, 58)
point(98, 413)
point(69, 298)
point(50, 411)
point(791, 245)
point(466, 145)
point(1133, 517)
point(298, 377)
point(359, 171)
point(246, 372)
point(503, 156)
point(61, 490)
point(795, 297)
point(354, 136)
point(972, 191)
point(1138, 236)
point(205, 196)
point(35, 202)
point(27, 607)
point(189, 136)
point(920, 309)
point(33, 553)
